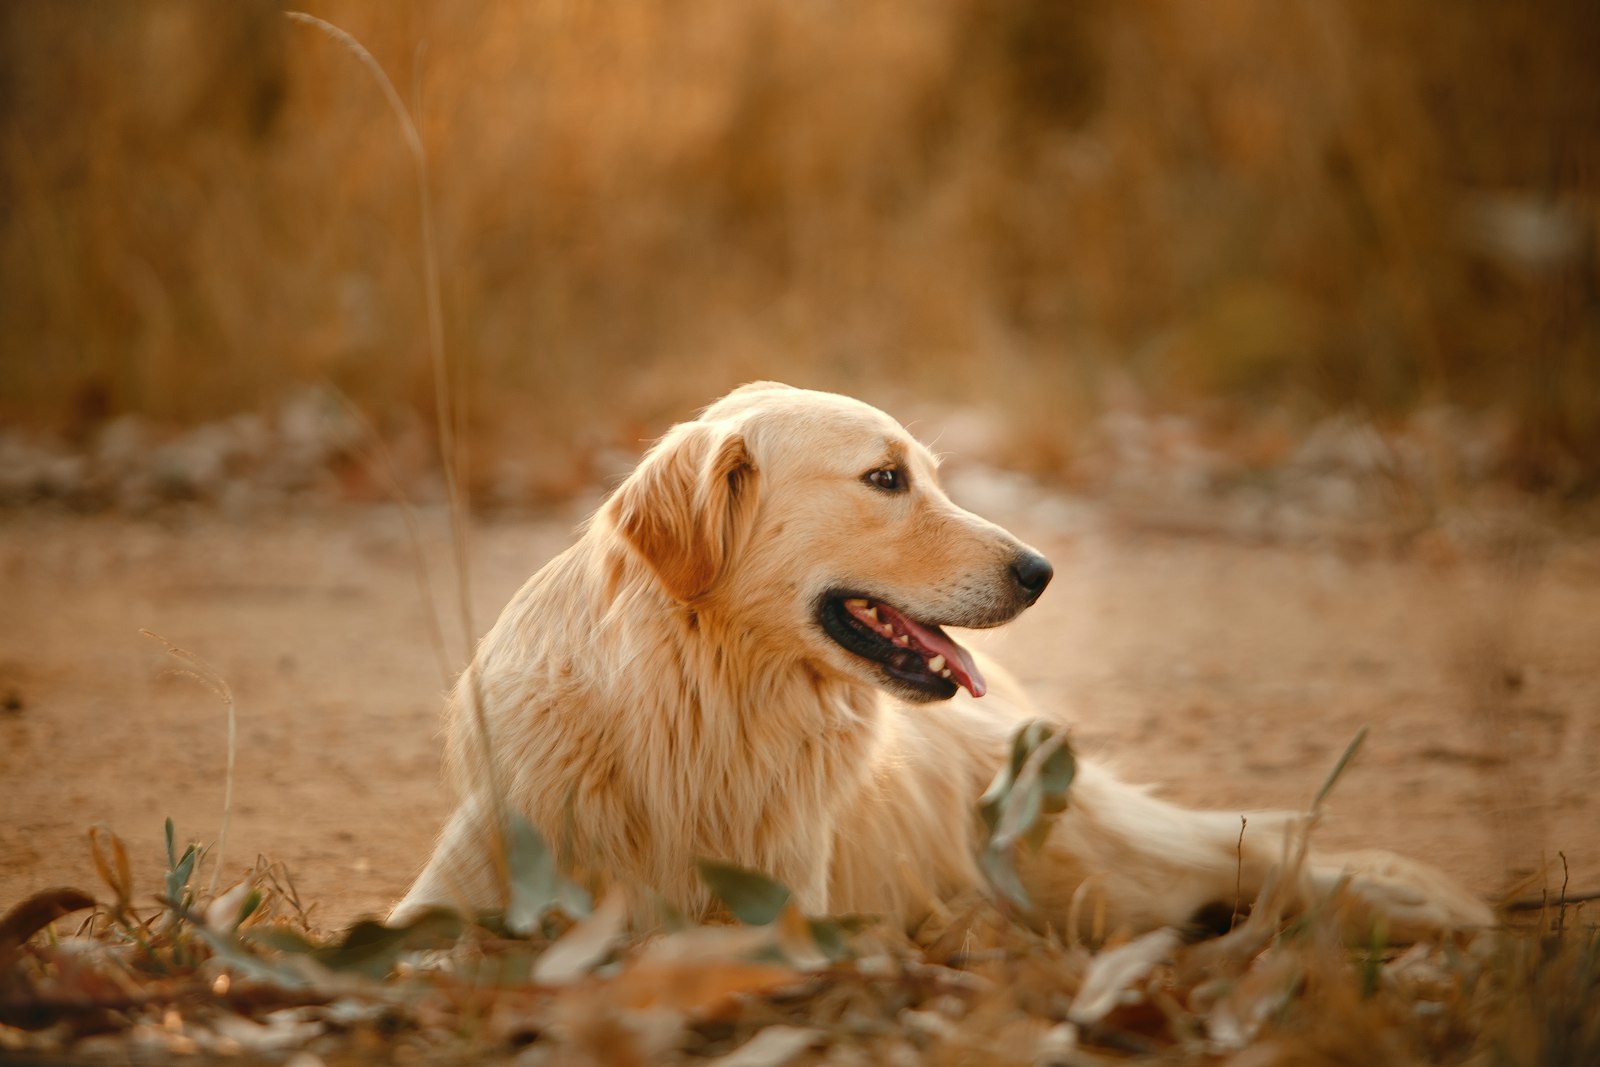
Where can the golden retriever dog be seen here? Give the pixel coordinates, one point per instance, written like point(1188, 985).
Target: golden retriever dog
point(744, 658)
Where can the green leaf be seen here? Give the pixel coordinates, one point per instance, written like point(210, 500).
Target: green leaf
point(752, 897)
point(1001, 870)
point(1036, 780)
point(1037, 833)
point(537, 885)
point(367, 948)
point(239, 958)
point(1021, 810)
point(1056, 774)
point(248, 908)
point(179, 868)
point(371, 948)
point(178, 876)
point(1338, 768)
point(831, 934)
point(993, 801)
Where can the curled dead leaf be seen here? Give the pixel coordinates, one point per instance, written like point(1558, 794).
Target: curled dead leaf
point(37, 912)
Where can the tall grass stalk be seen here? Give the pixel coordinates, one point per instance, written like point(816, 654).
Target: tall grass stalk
point(1338, 769)
point(381, 460)
point(433, 295)
point(445, 413)
point(202, 672)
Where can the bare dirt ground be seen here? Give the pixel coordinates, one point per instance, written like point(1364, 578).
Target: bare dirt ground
point(1231, 672)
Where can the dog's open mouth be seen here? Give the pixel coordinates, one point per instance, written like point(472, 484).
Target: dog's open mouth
point(918, 654)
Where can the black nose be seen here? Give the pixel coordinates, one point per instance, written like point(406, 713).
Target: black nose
point(1033, 572)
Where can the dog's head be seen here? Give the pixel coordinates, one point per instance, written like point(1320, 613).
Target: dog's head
point(815, 525)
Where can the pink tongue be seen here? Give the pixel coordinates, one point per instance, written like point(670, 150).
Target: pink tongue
point(935, 642)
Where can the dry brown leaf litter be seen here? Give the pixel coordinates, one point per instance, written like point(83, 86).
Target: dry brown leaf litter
point(85, 979)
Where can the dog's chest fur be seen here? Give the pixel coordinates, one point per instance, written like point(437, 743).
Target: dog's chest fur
point(645, 742)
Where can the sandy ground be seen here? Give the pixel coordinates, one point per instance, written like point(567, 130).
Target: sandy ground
point(1230, 673)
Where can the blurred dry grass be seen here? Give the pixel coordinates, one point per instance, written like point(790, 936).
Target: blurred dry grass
point(1242, 209)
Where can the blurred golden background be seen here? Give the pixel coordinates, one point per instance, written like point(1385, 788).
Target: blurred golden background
point(1257, 214)
point(1317, 281)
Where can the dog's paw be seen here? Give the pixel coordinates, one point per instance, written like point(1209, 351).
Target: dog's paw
point(1403, 899)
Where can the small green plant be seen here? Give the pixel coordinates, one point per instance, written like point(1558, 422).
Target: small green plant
point(750, 896)
point(180, 898)
point(1029, 788)
point(756, 899)
point(536, 886)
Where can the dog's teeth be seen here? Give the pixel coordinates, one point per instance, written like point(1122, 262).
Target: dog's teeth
point(871, 613)
point(902, 640)
point(944, 674)
point(888, 631)
point(856, 602)
point(936, 664)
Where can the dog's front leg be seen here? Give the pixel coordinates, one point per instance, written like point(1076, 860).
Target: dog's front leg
point(461, 873)
point(810, 890)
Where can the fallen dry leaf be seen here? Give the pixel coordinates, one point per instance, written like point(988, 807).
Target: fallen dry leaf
point(33, 915)
point(586, 944)
point(772, 1047)
point(1113, 973)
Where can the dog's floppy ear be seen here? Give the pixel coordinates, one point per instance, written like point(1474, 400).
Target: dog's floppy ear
point(687, 506)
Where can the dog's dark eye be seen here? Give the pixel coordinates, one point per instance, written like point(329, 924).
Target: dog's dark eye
point(889, 479)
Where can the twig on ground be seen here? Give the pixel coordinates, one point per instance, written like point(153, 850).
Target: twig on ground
point(1238, 874)
point(1541, 902)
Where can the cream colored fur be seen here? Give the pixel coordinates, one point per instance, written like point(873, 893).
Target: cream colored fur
point(662, 691)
